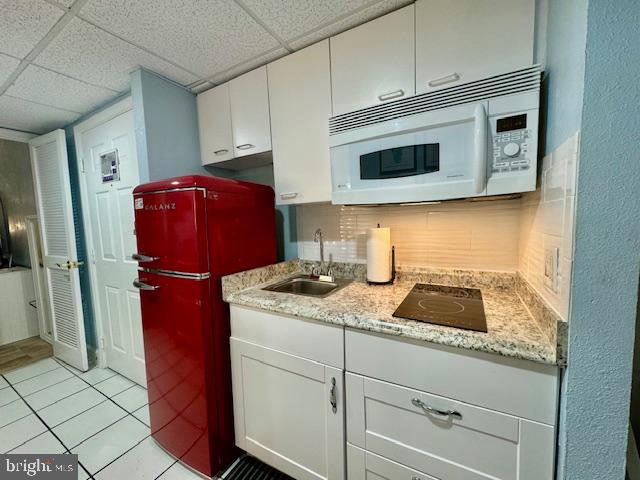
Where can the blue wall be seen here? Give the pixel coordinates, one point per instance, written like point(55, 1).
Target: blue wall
point(565, 36)
point(607, 246)
point(166, 123)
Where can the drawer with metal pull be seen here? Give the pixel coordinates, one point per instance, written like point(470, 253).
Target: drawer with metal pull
point(444, 438)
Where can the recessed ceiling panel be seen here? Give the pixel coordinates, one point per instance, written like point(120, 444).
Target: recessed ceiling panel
point(345, 23)
point(293, 18)
point(44, 86)
point(19, 114)
point(7, 66)
point(97, 57)
point(205, 37)
point(23, 23)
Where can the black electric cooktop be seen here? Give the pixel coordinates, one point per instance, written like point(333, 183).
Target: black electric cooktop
point(449, 306)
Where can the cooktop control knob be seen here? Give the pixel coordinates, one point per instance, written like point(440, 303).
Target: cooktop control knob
point(511, 149)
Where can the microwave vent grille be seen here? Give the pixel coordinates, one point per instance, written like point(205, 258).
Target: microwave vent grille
point(527, 79)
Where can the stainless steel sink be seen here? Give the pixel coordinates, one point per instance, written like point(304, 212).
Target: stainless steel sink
point(308, 286)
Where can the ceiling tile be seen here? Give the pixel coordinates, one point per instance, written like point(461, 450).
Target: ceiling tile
point(358, 18)
point(23, 23)
point(7, 66)
point(50, 88)
point(247, 66)
point(90, 54)
point(204, 37)
point(19, 114)
point(293, 18)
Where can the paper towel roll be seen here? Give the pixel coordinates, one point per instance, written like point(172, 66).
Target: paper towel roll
point(379, 255)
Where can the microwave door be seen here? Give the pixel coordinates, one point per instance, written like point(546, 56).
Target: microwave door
point(441, 155)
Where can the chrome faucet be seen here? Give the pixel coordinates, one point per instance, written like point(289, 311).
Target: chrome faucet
point(317, 237)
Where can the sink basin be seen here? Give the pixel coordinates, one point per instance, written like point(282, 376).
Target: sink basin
point(307, 286)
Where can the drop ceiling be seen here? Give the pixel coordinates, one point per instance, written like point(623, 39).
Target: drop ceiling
point(60, 59)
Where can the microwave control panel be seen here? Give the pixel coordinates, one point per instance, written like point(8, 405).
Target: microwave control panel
point(511, 140)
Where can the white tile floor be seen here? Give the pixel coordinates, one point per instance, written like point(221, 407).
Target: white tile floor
point(50, 407)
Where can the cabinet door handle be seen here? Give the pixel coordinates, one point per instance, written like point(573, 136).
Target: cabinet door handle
point(144, 286)
point(391, 95)
point(454, 77)
point(222, 151)
point(442, 413)
point(288, 195)
point(332, 396)
point(245, 146)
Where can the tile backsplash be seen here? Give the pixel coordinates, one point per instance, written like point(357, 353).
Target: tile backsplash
point(501, 235)
point(461, 234)
point(547, 221)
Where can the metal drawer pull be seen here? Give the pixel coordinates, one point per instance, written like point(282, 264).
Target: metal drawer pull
point(143, 258)
point(144, 286)
point(288, 195)
point(454, 77)
point(332, 396)
point(221, 151)
point(443, 413)
point(391, 95)
point(245, 146)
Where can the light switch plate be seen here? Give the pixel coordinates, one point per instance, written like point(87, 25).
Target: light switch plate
point(551, 260)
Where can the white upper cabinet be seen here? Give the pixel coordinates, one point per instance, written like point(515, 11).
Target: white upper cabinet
point(374, 63)
point(300, 100)
point(214, 125)
point(250, 113)
point(465, 40)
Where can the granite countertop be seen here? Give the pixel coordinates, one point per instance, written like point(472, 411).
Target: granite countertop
point(512, 331)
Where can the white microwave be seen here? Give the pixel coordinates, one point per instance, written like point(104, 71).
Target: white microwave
point(466, 141)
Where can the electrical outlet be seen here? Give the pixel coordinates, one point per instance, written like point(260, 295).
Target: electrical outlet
point(551, 260)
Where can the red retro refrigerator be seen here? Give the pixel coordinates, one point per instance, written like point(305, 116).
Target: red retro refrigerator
point(191, 231)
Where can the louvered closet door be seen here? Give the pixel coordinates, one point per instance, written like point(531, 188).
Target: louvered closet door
point(53, 194)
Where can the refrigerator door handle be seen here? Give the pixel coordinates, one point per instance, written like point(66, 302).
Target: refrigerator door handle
point(143, 258)
point(144, 286)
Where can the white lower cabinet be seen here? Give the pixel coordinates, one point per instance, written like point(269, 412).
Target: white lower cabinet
point(288, 410)
point(430, 413)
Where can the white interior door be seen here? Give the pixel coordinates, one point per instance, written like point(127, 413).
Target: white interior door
point(112, 240)
point(53, 199)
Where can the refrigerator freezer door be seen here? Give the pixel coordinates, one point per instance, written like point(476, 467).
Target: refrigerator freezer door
point(175, 320)
point(171, 230)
